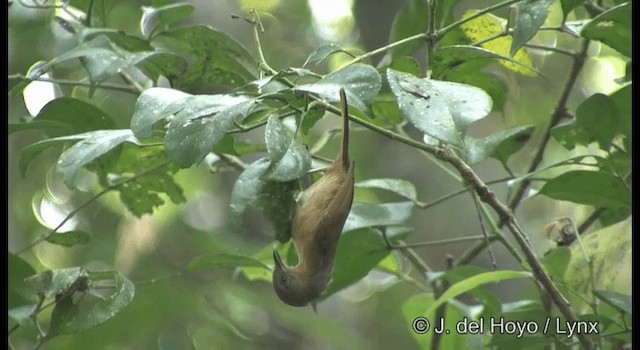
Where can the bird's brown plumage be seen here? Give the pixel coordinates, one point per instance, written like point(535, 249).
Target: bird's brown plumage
point(317, 224)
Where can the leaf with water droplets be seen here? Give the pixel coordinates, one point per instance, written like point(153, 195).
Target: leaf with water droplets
point(200, 123)
point(273, 198)
point(440, 109)
point(163, 16)
point(216, 58)
point(150, 108)
point(530, 16)
point(289, 158)
point(102, 59)
point(401, 187)
point(92, 145)
point(500, 145)
point(322, 52)
point(373, 215)
point(361, 83)
point(68, 317)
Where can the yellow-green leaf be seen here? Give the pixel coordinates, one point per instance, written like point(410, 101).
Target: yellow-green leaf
point(487, 26)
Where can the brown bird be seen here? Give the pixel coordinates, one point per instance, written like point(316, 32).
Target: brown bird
point(317, 224)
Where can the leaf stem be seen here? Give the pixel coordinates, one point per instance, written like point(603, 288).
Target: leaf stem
point(385, 48)
point(423, 205)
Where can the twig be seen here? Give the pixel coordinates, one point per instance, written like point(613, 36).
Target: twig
point(462, 21)
point(85, 204)
point(104, 86)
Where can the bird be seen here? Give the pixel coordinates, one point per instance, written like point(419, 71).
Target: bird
point(317, 224)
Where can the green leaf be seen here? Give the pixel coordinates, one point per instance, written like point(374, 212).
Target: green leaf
point(289, 158)
point(102, 59)
point(440, 109)
point(218, 60)
point(598, 119)
point(310, 117)
point(622, 101)
point(320, 53)
point(67, 116)
point(500, 145)
point(31, 151)
point(490, 303)
point(22, 314)
point(530, 16)
point(150, 108)
point(401, 187)
point(273, 198)
point(619, 301)
point(358, 253)
point(168, 64)
point(17, 89)
point(71, 319)
point(229, 145)
point(413, 311)
point(469, 59)
point(93, 145)
point(569, 5)
point(412, 19)
point(612, 216)
point(556, 262)
point(19, 292)
point(473, 282)
point(588, 187)
point(613, 28)
point(361, 84)
point(609, 251)
point(406, 64)
point(142, 195)
point(162, 16)
point(488, 26)
point(57, 281)
point(200, 123)
point(372, 215)
point(224, 260)
point(70, 238)
point(265, 256)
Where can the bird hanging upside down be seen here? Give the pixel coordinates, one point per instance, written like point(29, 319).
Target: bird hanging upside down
point(317, 224)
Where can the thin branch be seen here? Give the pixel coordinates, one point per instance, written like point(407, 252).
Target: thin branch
point(85, 204)
point(551, 49)
point(105, 86)
point(421, 36)
point(504, 33)
point(590, 220)
point(235, 162)
point(423, 205)
point(440, 242)
point(460, 22)
point(476, 201)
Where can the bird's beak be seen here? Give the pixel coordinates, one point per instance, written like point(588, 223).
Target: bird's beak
point(277, 260)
